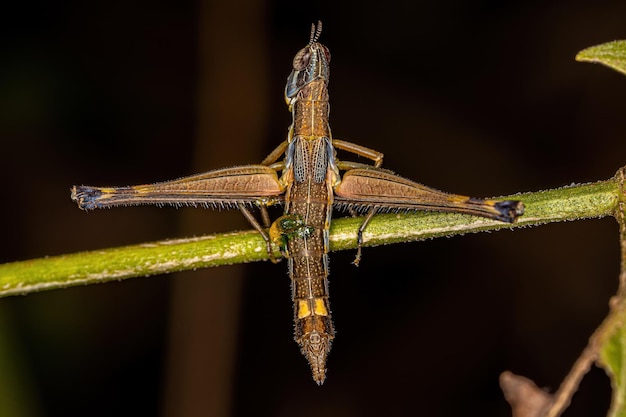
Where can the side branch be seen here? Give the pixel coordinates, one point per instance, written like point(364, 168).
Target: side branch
point(568, 203)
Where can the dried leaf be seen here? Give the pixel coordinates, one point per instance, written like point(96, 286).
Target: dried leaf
point(524, 397)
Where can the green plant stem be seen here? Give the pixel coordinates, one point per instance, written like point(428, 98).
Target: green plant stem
point(568, 203)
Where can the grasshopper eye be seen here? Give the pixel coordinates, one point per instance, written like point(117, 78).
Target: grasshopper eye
point(301, 60)
point(326, 53)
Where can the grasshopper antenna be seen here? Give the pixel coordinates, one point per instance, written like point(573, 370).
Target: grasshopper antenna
point(315, 32)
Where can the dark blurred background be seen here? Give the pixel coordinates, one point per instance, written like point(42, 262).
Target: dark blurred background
point(481, 98)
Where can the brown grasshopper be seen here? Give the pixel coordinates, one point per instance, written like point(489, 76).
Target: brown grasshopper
point(309, 186)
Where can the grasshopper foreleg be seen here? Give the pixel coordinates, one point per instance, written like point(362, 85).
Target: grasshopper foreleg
point(375, 156)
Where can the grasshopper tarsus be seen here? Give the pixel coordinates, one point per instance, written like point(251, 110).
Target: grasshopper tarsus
point(510, 210)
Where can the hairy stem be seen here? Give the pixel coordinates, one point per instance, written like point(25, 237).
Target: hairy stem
point(568, 203)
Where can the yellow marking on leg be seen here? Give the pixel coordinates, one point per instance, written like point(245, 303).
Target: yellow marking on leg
point(458, 199)
point(142, 189)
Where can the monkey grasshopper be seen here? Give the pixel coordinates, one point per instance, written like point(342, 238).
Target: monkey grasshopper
point(308, 182)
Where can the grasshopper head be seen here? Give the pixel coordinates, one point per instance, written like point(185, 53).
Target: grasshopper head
point(311, 63)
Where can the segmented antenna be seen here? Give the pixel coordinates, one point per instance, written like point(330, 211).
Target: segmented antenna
point(315, 32)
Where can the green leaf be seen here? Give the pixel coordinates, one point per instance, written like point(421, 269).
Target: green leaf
point(611, 335)
point(613, 360)
point(611, 54)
